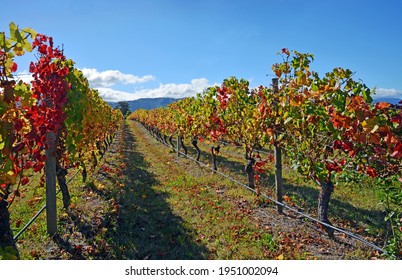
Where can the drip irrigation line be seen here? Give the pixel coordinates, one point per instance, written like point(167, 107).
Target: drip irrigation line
point(40, 211)
point(352, 235)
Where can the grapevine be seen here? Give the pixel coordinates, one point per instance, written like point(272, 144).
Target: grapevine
point(59, 101)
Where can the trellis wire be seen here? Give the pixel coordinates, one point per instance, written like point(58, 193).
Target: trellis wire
point(39, 212)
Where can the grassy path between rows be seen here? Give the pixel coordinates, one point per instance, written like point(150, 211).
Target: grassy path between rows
point(171, 209)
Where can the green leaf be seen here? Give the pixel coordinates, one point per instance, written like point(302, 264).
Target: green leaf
point(29, 31)
point(288, 120)
point(2, 39)
point(24, 91)
point(3, 108)
point(280, 137)
point(27, 46)
point(13, 30)
point(366, 93)
point(389, 216)
point(2, 143)
point(340, 101)
point(314, 87)
point(18, 36)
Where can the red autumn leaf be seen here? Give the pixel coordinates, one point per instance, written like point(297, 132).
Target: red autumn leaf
point(24, 180)
point(43, 49)
point(14, 67)
point(333, 167)
point(371, 172)
point(397, 119)
point(347, 146)
point(18, 147)
point(337, 144)
point(397, 151)
point(18, 223)
point(28, 164)
point(38, 166)
point(18, 124)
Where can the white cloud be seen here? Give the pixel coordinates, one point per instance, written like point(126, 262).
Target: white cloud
point(25, 76)
point(110, 78)
point(105, 80)
point(388, 92)
point(164, 90)
point(112, 95)
point(98, 79)
point(176, 90)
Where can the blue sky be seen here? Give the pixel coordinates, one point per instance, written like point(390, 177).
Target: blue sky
point(176, 48)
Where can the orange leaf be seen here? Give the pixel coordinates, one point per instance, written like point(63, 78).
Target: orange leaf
point(287, 198)
point(382, 105)
point(270, 132)
point(375, 139)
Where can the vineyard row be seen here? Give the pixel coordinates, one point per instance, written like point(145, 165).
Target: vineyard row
point(325, 126)
point(55, 122)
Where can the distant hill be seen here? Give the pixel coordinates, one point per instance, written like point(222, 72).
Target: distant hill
point(391, 100)
point(147, 103)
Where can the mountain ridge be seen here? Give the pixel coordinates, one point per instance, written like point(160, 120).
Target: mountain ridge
point(147, 103)
point(391, 100)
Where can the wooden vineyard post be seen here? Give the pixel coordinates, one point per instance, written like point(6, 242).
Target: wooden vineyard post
point(278, 176)
point(50, 170)
point(178, 144)
point(278, 163)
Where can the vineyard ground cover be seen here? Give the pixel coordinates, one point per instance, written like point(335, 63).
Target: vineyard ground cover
point(355, 206)
point(144, 202)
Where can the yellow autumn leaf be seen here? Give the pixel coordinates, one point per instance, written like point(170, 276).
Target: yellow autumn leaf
point(27, 126)
point(280, 257)
point(8, 178)
point(369, 124)
point(12, 177)
point(374, 129)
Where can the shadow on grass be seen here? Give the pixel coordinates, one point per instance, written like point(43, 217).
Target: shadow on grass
point(146, 228)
